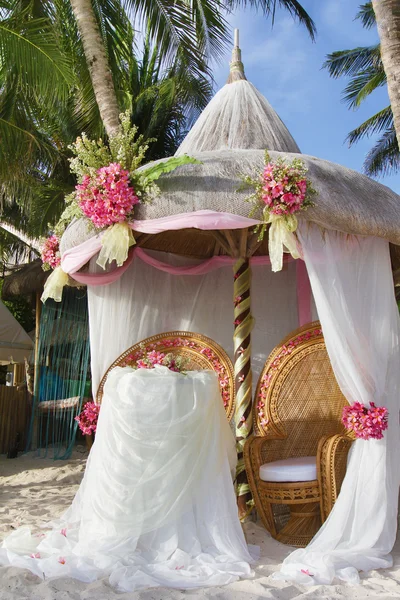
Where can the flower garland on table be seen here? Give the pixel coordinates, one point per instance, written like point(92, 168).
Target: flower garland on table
point(110, 185)
point(149, 359)
point(281, 191)
point(366, 423)
point(223, 377)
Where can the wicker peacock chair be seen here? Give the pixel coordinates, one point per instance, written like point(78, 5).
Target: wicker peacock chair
point(296, 460)
point(200, 351)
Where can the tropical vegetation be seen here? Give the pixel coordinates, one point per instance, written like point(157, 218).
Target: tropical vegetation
point(49, 92)
point(364, 67)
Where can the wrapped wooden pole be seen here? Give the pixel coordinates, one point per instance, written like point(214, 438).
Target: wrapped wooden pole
point(243, 374)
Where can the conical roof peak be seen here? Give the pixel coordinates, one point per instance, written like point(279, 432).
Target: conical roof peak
point(236, 67)
point(238, 117)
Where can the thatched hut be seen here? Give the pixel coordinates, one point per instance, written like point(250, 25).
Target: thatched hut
point(203, 215)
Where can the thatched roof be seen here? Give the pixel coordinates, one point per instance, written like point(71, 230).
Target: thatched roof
point(347, 201)
point(238, 117)
point(229, 140)
point(24, 280)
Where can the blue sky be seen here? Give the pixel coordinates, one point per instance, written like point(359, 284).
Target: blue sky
point(285, 66)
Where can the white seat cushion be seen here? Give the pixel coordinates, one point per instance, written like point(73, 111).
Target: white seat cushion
point(290, 469)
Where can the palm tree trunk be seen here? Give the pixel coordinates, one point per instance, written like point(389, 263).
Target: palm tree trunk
point(97, 61)
point(387, 13)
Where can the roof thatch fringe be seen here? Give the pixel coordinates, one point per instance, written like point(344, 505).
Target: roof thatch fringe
point(24, 280)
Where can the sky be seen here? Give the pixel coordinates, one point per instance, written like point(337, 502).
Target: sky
point(286, 66)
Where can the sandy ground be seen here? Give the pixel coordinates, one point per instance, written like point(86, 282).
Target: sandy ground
point(35, 490)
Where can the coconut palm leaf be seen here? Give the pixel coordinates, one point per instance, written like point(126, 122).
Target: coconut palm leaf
point(362, 85)
point(365, 69)
point(366, 15)
point(269, 8)
point(384, 157)
point(352, 62)
point(381, 121)
point(29, 45)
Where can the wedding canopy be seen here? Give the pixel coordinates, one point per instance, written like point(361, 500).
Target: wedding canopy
point(200, 227)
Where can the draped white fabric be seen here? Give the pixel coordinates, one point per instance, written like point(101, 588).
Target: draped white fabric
point(156, 506)
point(146, 301)
point(352, 285)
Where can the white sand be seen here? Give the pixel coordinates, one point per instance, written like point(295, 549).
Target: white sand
point(35, 490)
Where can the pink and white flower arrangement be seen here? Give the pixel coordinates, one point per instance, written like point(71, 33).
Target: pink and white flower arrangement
point(285, 189)
point(51, 257)
point(108, 197)
point(282, 189)
point(87, 419)
point(366, 422)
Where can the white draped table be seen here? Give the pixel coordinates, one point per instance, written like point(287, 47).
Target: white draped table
point(156, 506)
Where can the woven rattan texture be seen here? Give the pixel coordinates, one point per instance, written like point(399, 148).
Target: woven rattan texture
point(298, 408)
point(201, 352)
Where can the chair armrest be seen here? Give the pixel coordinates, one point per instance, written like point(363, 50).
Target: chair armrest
point(332, 456)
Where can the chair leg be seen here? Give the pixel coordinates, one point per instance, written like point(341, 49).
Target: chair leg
point(304, 522)
point(266, 514)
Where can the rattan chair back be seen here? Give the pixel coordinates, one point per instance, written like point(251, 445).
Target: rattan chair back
point(201, 353)
point(297, 395)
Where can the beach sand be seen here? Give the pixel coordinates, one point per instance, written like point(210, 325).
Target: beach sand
point(34, 490)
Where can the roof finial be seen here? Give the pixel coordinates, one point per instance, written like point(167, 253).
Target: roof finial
point(236, 66)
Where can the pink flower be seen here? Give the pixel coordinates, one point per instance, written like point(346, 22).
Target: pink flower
point(35, 555)
point(307, 572)
point(62, 560)
point(51, 252)
point(302, 185)
point(367, 423)
point(108, 198)
point(87, 419)
point(64, 532)
point(268, 170)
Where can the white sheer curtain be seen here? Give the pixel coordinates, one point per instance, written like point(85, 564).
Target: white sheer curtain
point(352, 285)
point(156, 506)
point(146, 301)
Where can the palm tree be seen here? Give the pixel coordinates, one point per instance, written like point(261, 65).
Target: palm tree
point(365, 68)
point(37, 126)
point(195, 31)
point(387, 14)
point(166, 100)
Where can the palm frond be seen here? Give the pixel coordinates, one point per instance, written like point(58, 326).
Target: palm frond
point(14, 250)
point(384, 157)
point(351, 62)
point(269, 7)
point(379, 122)
point(29, 45)
point(18, 145)
point(367, 15)
point(362, 85)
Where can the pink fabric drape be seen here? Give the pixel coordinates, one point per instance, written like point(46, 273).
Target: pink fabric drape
point(216, 262)
point(75, 258)
point(207, 220)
